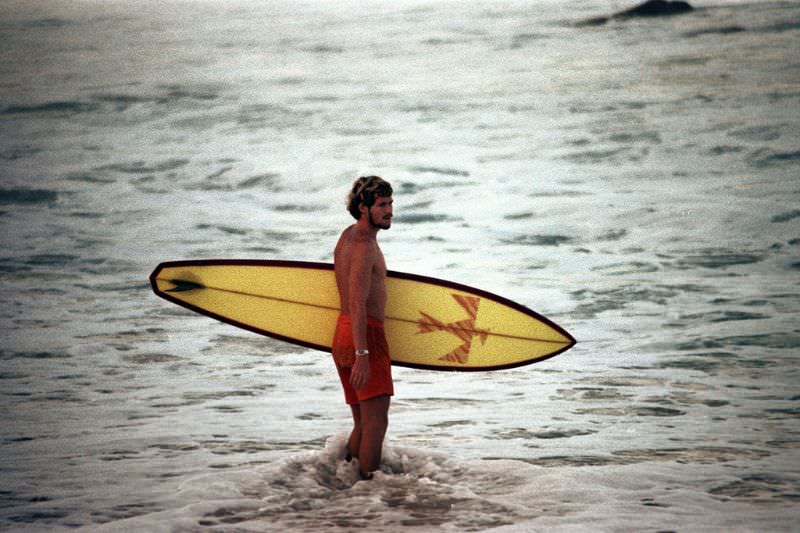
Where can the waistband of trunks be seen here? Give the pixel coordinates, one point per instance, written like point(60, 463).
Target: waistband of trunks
point(373, 322)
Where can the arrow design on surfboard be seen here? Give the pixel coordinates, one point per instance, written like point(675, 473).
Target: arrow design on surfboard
point(464, 330)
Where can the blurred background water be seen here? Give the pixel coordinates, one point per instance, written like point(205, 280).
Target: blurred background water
point(636, 182)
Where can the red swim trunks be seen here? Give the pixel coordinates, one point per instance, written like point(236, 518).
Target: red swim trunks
point(380, 365)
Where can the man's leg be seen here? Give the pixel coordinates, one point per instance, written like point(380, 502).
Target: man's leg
point(374, 421)
point(354, 442)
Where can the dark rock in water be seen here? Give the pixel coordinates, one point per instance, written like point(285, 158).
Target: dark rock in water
point(656, 8)
point(651, 8)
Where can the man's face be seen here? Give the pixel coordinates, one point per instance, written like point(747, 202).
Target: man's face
point(380, 214)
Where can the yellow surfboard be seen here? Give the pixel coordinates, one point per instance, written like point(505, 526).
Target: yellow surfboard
point(430, 323)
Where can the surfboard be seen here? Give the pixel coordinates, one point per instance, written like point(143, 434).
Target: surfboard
point(430, 323)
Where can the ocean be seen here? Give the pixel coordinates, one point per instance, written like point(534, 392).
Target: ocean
point(636, 182)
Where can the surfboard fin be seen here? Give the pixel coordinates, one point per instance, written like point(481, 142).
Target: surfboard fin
point(182, 285)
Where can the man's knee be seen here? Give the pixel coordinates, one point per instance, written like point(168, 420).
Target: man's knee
point(375, 412)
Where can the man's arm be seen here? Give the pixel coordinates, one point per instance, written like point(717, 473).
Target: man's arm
point(362, 261)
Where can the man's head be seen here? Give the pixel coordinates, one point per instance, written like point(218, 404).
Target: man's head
point(371, 196)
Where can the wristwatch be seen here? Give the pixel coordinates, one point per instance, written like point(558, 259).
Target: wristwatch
point(362, 353)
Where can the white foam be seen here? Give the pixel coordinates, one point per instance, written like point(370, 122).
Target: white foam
point(418, 490)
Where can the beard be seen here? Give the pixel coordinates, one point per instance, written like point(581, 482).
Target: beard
point(386, 223)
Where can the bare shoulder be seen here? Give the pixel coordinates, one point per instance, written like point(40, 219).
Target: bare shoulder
point(354, 247)
point(343, 238)
point(359, 250)
point(344, 245)
point(363, 250)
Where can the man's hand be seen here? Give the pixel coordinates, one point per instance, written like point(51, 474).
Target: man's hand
point(359, 375)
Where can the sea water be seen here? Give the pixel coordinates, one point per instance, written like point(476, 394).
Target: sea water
point(636, 182)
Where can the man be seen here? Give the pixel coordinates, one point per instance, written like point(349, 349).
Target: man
point(360, 350)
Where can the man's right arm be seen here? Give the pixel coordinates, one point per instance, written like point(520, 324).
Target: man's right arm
point(362, 260)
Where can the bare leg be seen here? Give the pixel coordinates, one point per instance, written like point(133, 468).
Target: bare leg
point(354, 441)
point(374, 421)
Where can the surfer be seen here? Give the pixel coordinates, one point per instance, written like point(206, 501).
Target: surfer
point(360, 351)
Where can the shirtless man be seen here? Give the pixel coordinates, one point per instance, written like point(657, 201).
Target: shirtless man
point(359, 346)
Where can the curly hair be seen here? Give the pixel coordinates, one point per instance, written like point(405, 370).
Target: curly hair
point(365, 190)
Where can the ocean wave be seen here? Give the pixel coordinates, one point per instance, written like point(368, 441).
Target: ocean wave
point(111, 102)
point(440, 170)
point(774, 159)
point(538, 240)
point(719, 30)
point(786, 217)
point(61, 107)
point(27, 196)
point(145, 167)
